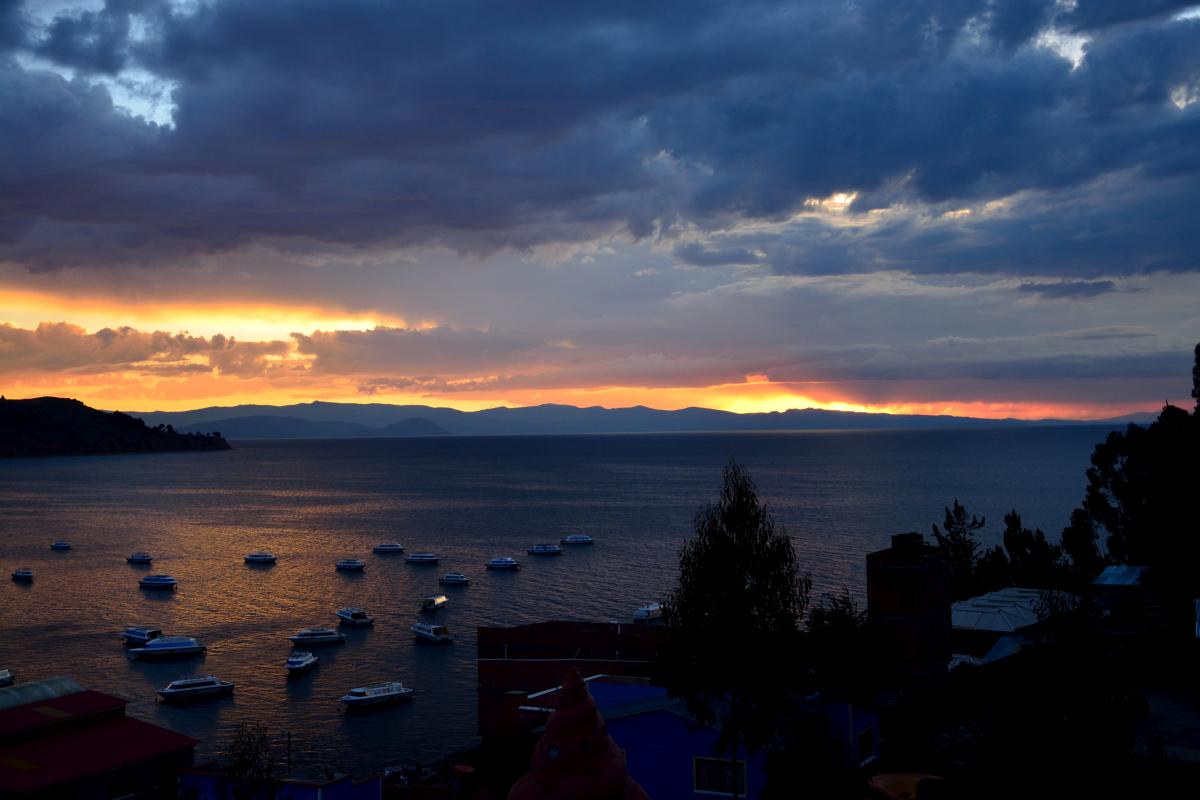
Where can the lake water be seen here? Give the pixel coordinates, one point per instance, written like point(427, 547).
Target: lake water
point(840, 495)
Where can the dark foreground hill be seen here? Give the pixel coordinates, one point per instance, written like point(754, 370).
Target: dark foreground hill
point(54, 426)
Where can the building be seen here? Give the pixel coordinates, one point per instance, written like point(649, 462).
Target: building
point(206, 782)
point(62, 741)
point(908, 600)
point(997, 624)
point(514, 661)
point(1121, 590)
point(670, 756)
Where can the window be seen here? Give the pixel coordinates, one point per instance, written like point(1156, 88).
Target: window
point(717, 775)
point(866, 744)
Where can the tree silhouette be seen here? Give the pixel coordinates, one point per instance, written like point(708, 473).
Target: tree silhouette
point(957, 538)
point(249, 755)
point(1032, 560)
point(1196, 377)
point(1142, 490)
point(1079, 544)
point(734, 617)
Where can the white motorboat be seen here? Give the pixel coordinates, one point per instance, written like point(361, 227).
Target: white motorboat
point(578, 538)
point(186, 688)
point(6, 677)
point(648, 612)
point(503, 563)
point(260, 557)
point(431, 632)
point(139, 558)
point(158, 582)
point(351, 565)
point(388, 547)
point(60, 545)
point(23, 575)
point(311, 636)
point(300, 661)
point(434, 603)
point(168, 647)
point(421, 558)
point(454, 579)
point(354, 616)
point(140, 636)
point(377, 694)
point(545, 550)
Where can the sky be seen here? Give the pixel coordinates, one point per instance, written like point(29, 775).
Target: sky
point(935, 206)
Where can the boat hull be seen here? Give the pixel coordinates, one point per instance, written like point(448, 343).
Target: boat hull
point(302, 669)
point(359, 703)
point(305, 642)
point(164, 654)
point(184, 695)
point(158, 587)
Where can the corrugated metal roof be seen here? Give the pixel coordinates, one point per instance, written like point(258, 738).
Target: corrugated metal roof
point(1004, 611)
point(1122, 575)
point(33, 691)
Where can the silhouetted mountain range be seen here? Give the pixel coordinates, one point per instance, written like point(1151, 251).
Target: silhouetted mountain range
point(336, 420)
point(267, 426)
point(54, 426)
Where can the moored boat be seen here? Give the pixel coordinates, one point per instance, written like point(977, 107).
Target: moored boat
point(311, 636)
point(138, 558)
point(139, 636)
point(22, 575)
point(300, 661)
point(454, 579)
point(434, 603)
point(351, 565)
point(577, 538)
point(431, 632)
point(354, 616)
point(648, 612)
point(260, 557)
point(6, 677)
point(168, 647)
point(201, 686)
point(164, 582)
point(377, 694)
point(421, 558)
point(60, 545)
point(503, 563)
point(545, 550)
point(388, 547)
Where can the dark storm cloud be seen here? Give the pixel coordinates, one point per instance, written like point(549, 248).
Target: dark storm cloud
point(1067, 290)
point(482, 125)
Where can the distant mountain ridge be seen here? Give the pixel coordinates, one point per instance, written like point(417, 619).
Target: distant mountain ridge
point(268, 426)
point(338, 420)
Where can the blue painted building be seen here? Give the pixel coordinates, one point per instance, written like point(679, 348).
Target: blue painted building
point(207, 783)
point(665, 751)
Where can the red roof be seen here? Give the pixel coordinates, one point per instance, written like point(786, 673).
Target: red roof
point(31, 763)
point(30, 716)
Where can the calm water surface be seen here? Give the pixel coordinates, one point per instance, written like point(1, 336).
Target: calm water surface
point(313, 502)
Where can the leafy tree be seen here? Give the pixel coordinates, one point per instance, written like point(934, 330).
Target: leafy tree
point(1079, 545)
point(1142, 489)
point(734, 617)
point(1196, 378)
point(957, 539)
point(249, 757)
point(1033, 561)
